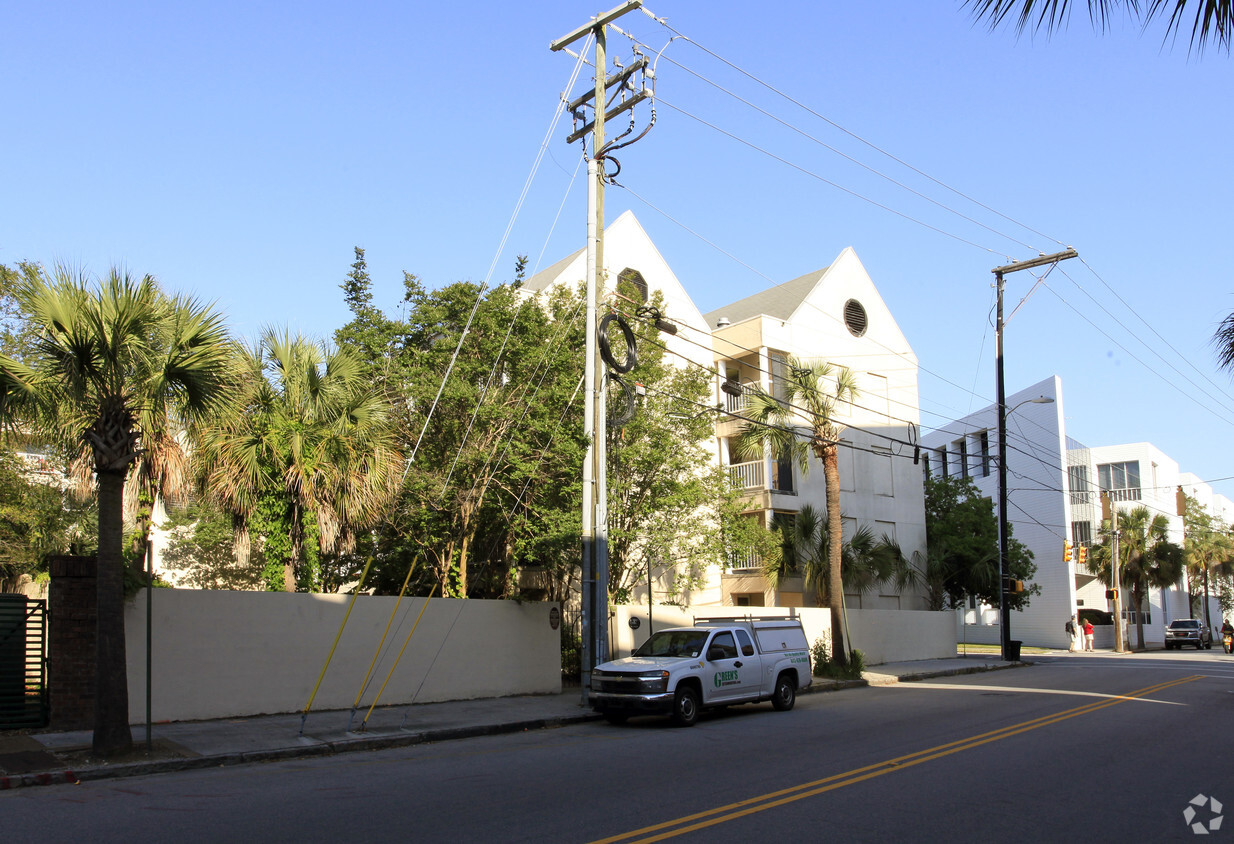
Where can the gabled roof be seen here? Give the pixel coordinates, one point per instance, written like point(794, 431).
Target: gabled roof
point(546, 277)
point(780, 301)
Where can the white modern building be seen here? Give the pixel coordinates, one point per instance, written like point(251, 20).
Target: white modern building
point(1054, 498)
point(834, 314)
point(1039, 512)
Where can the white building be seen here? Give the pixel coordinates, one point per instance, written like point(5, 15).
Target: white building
point(1054, 488)
point(1039, 511)
point(835, 314)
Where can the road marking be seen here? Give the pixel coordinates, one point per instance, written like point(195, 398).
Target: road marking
point(1018, 690)
point(753, 805)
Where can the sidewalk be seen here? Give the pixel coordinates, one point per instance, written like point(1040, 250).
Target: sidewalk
point(48, 758)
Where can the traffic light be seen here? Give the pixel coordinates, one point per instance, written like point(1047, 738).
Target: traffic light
point(1083, 554)
point(1066, 550)
point(1111, 594)
point(1015, 585)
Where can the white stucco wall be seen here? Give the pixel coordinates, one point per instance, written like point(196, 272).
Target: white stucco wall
point(221, 654)
point(881, 635)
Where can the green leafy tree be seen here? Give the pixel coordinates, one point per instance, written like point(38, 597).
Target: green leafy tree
point(16, 331)
point(799, 418)
point(485, 381)
point(39, 518)
point(669, 506)
point(962, 548)
point(117, 366)
point(201, 550)
point(1207, 547)
point(1147, 558)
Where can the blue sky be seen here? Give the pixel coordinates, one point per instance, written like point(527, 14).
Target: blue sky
point(241, 150)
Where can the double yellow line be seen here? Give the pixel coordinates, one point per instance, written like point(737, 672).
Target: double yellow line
point(753, 805)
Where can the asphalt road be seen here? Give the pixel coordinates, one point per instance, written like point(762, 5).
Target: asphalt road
point(1078, 749)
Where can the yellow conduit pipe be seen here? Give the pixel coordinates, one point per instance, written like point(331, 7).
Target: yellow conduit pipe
point(398, 658)
point(354, 595)
point(384, 634)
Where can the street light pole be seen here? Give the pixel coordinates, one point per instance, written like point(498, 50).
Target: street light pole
point(1004, 561)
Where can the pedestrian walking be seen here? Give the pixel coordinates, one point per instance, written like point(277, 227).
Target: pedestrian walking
point(1072, 635)
point(1088, 635)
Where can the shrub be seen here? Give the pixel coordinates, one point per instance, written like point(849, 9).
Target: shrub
point(825, 666)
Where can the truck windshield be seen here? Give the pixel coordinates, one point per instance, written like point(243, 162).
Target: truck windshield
point(687, 643)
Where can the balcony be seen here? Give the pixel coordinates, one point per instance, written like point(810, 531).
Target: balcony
point(748, 476)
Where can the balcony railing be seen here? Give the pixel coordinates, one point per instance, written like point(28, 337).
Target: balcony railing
point(1130, 494)
point(747, 561)
point(751, 475)
point(737, 403)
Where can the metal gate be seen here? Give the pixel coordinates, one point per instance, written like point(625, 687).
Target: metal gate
point(23, 662)
point(571, 647)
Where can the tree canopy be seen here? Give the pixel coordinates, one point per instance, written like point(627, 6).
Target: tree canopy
point(963, 549)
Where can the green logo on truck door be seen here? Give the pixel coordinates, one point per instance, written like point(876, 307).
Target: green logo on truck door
point(726, 678)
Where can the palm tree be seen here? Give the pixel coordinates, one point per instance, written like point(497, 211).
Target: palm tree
point(811, 394)
point(866, 561)
point(1202, 552)
point(1147, 558)
point(1213, 23)
point(808, 397)
point(311, 429)
point(115, 369)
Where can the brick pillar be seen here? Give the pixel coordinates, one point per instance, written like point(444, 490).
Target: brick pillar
point(72, 611)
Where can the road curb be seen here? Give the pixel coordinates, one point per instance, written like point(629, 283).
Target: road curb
point(361, 742)
point(406, 738)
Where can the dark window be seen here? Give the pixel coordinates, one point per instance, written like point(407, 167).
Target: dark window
point(1082, 533)
point(634, 278)
point(983, 440)
point(855, 318)
point(722, 647)
point(747, 647)
point(782, 469)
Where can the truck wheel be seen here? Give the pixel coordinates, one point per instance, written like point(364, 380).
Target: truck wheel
point(785, 694)
point(616, 717)
point(685, 707)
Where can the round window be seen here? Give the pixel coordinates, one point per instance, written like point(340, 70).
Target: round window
point(855, 317)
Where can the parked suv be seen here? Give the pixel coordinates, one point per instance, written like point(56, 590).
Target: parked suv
point(1187, 631)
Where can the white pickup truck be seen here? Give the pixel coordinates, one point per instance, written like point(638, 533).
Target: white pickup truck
point(716, 662)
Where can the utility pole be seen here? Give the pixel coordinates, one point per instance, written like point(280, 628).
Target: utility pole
point(1004, 560)
point(1110, 511)
point(1115, 576)
point(595, 492)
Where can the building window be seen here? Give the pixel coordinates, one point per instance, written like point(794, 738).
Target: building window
point(782, 475)
point(1120, 480)
point(1081, 533)
point(779, 372)
point(942, 460)
point(1077, 481)
point(855, 319)
point(962, 456)
point(635, 279)
point(925, 465)
point(983, 443)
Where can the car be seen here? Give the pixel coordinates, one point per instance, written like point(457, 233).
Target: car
point(1188, 631)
